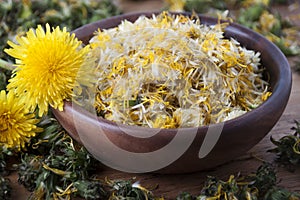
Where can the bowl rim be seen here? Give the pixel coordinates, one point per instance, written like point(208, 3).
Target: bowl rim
point(281, 88)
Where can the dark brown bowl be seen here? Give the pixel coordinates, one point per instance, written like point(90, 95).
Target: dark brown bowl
point(140, 149)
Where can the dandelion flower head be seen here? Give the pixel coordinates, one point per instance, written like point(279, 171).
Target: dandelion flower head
point(50, 65)
point(17, 126)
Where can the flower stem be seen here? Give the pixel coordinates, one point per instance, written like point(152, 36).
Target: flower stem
point(6, 65)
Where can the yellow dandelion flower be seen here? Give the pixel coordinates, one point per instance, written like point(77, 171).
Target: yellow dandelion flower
point(50, 66)
point(17, 126)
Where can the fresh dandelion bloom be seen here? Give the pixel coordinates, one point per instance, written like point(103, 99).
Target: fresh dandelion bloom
point(50, 66)
point(172, 71)
point(17, 126)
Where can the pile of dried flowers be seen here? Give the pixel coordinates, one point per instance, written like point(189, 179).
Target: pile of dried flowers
point(171, 71)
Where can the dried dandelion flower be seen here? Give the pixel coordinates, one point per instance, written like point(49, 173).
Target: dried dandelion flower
point(17, 126)
point(176, 5)
point(267, 21)
point(171, 71)
point(50, 67)
point(247, 3)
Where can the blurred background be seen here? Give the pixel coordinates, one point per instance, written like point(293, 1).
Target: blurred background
point(278, 20)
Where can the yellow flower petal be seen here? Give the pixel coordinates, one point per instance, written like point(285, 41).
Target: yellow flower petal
point(17, 126)
point(49, 65)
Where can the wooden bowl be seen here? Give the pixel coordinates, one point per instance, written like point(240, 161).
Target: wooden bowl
point(140, 149)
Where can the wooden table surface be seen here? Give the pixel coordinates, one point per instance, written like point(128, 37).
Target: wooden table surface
point(169, 186)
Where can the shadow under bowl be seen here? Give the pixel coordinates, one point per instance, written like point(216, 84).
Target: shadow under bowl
point(141, 149)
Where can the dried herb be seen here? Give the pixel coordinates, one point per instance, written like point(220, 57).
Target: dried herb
point(214, 187)
point(5, 154)
point(251, 14)
point(260, 185)
point(5, 188)
point(67, 169)
point(2, 163)
point(288, 148)
point(64, 170)
point(3, 80)
point(55, 166)
point(124, 189)
point(265, 178)
point(90, 189)
point(185, 196)
point(29, 170)
point(280, 194)
point(261, 19)
point(201, 6)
